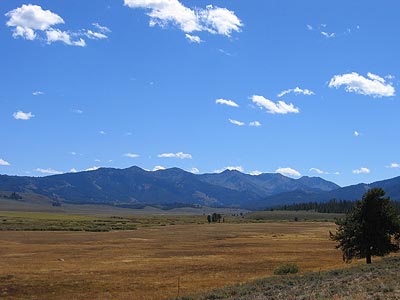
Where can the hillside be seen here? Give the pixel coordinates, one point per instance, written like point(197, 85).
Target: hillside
point(380, 280)
point(135, 187)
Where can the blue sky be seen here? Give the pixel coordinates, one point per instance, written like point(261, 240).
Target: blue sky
point(296, 87)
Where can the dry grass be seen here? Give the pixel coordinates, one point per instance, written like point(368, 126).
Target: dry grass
point(147, 263)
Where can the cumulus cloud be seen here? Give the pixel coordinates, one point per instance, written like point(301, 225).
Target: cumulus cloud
point(4, 163)
point(226, 102)
point(73, 170)
point(194, 170)
point(296, 91)
point(279, 107)
point(20, 115)
point(255, 124)
point(255, 173)
point(356, 133)
point(288, 172)
point(215, 20)
point(373, 85)
point(158, 168)
point(180, 155)
point(32, 22)
point(236, 122)
point(193, 38)
point(131, 155)
point(362, 170)
point(393, 166)
point(48, 171)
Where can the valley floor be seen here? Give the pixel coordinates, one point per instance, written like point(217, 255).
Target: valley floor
point(159, 262)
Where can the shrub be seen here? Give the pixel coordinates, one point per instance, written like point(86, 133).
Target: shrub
point(286, 269)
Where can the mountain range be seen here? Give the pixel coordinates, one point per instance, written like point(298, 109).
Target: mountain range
point(135, 187)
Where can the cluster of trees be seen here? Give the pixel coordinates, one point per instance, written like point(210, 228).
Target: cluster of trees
point(371, 228)
point(333, 206)
point(12, 196)
point(214, 218)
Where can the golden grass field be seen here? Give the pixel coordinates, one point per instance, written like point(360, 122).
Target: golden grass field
point(148, 263)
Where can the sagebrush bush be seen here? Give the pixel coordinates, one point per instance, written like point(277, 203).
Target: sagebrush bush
point(286, 269)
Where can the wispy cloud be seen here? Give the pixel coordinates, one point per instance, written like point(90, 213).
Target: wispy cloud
point(321, 172)
point(296, 91)
point(20, 115)
point(77, 111)
point(288, 172)
point(255, 124)
point(193, 38)
point(236, 122)
point(279, 107)
point(131, 155)
point(393, 165)
point(179, 155)
point(362, 170)
point(32, 22)
point(227, 102)
point(158, 168)
point(215, 20)
point(94, 168)
point(102, 132)
point(37, 93)
point(356, 133)
point(255, 173)
point(373, 85)
point(48, 171)
point(4, 163)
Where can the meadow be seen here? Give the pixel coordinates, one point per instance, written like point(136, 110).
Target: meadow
point(164, 257)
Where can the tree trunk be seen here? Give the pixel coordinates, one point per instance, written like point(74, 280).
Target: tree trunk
point(368, 258)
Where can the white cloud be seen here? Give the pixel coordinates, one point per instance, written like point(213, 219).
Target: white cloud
point(309, 27)
point(20, 115)
point(220, 20)
point(279, 107)
point(194, 170)
point(131, 155)
point(158, 168)
point(94, 168)
point(362, 170)
point(236, 122)
point(215, 20)
point(318, 171)
point(374, 85)
point(54, 35)
point(288, 172)
point(102, 132)
point(73, 153)
point(356, 133)
point(230, 168)
point(95, 35)
point(180, 155)
point(37, 93)
point(255, 173)
point(227, 102)
point(328, 35)
point(296, 91)
point(255, 124)
point(48, 171)
point(393, 166)
point(4, 163)
point(31, 22)
point(193, 38)
point(77, 111)
point(73, 170)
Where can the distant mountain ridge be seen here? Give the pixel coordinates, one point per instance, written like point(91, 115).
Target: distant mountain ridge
point(133, 187)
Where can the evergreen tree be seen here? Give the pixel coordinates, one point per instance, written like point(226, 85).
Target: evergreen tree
point(370, 229)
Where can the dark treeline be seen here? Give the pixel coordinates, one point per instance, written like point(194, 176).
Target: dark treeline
point(333, 206)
